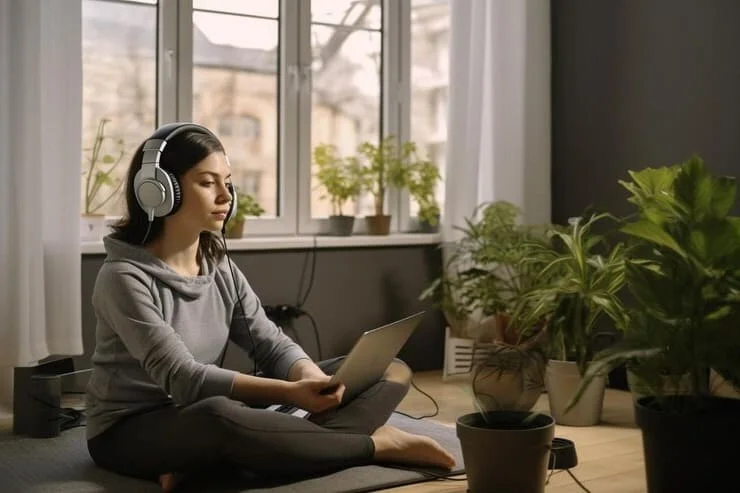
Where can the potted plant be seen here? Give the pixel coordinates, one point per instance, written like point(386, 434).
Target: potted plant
point(386, 165)
point(684, 280)
point(246, 205)
point(101, 184)
point(422, 186)
point(585, 275)
point(341, 179)
point(506, 450)
point(482, 280)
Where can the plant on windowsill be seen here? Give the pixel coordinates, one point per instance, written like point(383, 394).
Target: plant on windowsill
point(577, 303)
point(422, 185)
point(387, 164)
point(483, 278)
point(684, 320)
point(342, 180)
point(100, 185)
point(246, 206)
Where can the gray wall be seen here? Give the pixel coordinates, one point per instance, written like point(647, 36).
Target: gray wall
point(354, 290)
point(640, 83)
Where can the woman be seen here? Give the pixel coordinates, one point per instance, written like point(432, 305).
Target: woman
point(166, 301)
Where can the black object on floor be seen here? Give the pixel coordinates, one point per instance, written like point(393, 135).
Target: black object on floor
point(62, 465)
point(562, 454)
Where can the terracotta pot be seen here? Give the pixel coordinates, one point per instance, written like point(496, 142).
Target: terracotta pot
point(378, 225)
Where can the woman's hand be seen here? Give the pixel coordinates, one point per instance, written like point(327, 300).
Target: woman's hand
point(315, 394)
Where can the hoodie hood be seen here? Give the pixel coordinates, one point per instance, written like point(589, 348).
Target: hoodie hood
point(192, 287)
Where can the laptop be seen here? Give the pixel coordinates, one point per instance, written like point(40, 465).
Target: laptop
point(368, 359)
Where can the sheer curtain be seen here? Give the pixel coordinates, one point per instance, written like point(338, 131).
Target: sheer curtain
point(40, 135)
point(499, 116)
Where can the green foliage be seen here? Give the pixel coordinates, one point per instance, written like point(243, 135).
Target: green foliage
point(487, 273)
point(341, 178)
point(387, 164)
point(247, 205)
point(100, 184)
point(422, 185)
point(583, 276)
point(685, 278)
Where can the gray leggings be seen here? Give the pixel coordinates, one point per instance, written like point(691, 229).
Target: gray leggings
point(221, 431)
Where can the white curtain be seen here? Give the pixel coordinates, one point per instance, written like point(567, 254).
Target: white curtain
point(499, 109)
point(40, 136)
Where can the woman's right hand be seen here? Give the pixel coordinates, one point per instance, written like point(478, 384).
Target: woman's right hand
point(307, 394)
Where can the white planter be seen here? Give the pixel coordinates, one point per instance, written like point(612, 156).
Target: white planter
point(92, 228)
point(562, 380)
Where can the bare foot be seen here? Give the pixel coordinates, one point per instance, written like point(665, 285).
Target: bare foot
point(394, 445)
point(168, 482)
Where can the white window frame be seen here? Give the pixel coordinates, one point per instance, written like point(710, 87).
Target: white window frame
point(175, 103)
point(394, 110)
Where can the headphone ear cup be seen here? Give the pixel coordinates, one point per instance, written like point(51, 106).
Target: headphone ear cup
point(176, 192)
point(233, 204)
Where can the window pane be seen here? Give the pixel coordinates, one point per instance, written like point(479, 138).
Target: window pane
point(430, 41)
point(119, 42)
point(261, 8)
point(235, 94)
point(362, 13)
point(346, 95)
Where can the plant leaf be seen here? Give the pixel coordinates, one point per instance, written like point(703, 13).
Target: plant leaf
point(652, 232)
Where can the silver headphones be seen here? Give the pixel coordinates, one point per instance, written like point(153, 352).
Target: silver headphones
point(157, 190)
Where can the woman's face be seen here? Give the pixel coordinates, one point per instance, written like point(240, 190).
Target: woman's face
point(205, 197)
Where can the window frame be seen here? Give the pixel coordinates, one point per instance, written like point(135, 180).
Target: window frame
point(174, 102)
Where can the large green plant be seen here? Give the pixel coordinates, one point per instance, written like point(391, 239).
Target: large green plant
point(684, 278)
point(341, 178)
point(486, 271)
point(583, 276)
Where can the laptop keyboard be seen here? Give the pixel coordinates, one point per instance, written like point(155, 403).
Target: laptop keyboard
point(289, 409)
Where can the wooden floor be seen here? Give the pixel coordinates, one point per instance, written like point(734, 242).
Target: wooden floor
point(610, 458)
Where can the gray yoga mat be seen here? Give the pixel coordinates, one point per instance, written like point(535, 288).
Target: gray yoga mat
point(62, 465)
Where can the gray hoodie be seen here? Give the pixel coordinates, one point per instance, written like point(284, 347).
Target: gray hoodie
point(159, 334)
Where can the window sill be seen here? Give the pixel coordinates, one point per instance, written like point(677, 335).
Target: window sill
point(300, 242)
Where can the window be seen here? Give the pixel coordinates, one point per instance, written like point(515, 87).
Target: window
point(430, 44)
point(273, 79)
point(346, 61)
point(236, 89)
point(119, 68)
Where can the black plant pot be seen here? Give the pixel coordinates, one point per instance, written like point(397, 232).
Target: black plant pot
point(506, 450)
point(691, 444)
point(341, 225)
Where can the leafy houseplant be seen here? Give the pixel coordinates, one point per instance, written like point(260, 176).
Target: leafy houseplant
point(422, 183)
point(342, 180)
point(101, 185)
point(386, 165)
point(585, 275)
point(685, 319)
point(246, 205)
point(483, 279)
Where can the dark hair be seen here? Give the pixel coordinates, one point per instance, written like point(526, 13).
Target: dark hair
point(181, 153)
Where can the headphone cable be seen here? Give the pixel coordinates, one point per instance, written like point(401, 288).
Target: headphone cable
point(241, 308)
